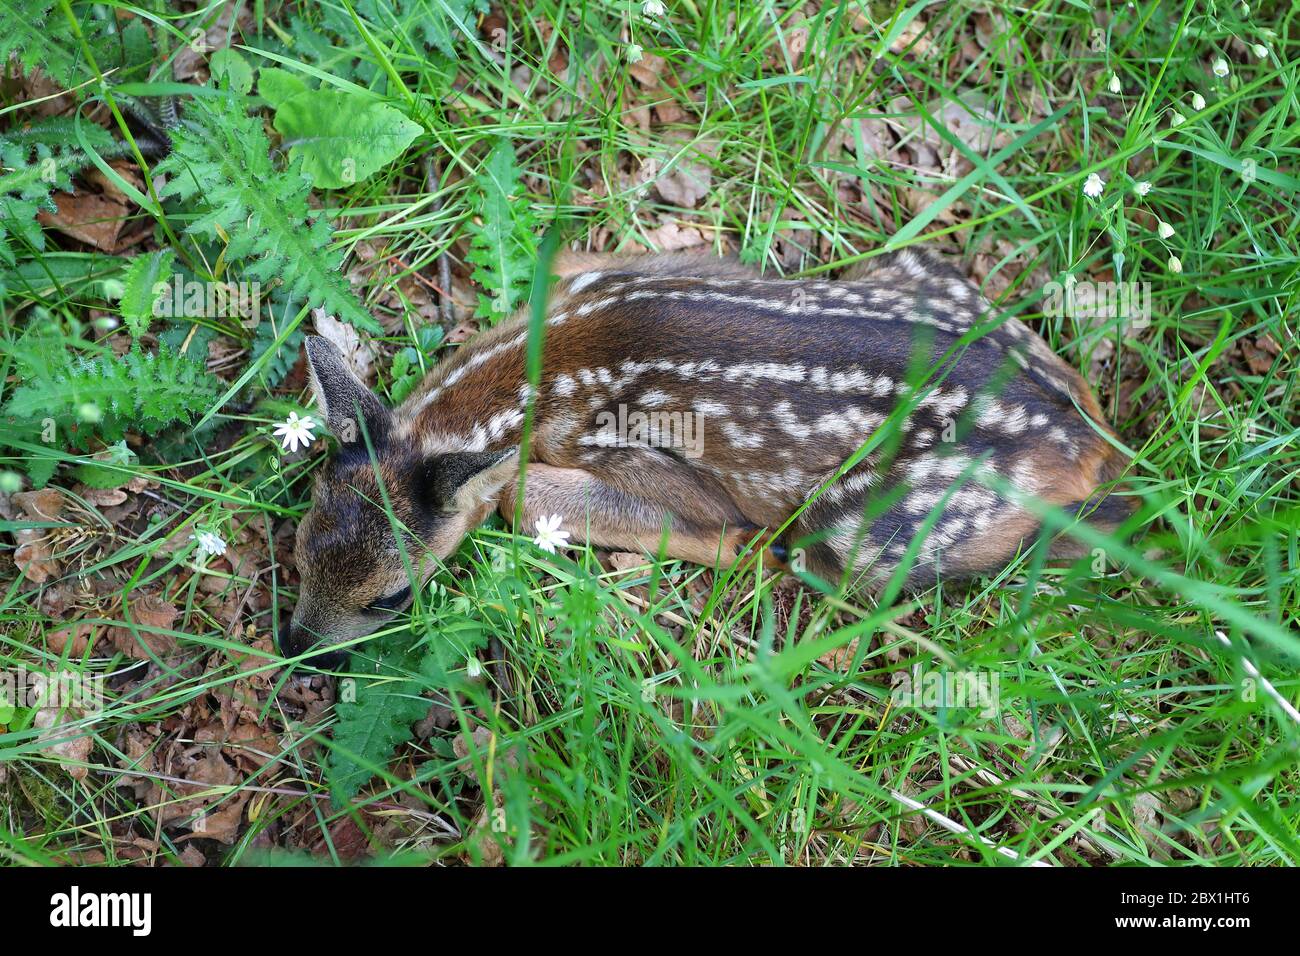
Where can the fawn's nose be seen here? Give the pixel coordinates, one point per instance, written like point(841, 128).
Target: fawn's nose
point(293, 641)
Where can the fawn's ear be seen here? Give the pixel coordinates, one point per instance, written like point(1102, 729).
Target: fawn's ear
point(343, 398)
point(463, 480)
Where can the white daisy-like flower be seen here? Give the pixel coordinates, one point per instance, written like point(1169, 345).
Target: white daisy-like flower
point(295, 431)
point(653, 9)
point(1220, 67)
point(1164, 229)
point(1260, 50)
point(1114, 85)
point(1142, 188)
point(1175, 264)
point(1093, 186)
point(634, 53)
point(1177, 119)
point(1198, 102)
point(549, 536)
point(210, 544)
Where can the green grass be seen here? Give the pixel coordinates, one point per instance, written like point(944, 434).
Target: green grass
point(666, 714)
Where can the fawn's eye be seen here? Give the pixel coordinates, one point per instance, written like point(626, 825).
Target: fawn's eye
point(390, 603)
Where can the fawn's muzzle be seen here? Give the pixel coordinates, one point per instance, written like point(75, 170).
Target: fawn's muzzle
point(294, 641)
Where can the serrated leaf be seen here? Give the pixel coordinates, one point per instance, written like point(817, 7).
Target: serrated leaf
point(41, 37)
point(342, 138)
point(436, 20)
point(102, 476)
point(502, 243)
point(139, 289)
point(279, 364)
point(223, 165)
point(40, 469)
point(102, 396)
point(228, 64)
point(371, 727)
point(18, 220)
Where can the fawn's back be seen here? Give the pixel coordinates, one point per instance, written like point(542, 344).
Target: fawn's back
point(730, 399)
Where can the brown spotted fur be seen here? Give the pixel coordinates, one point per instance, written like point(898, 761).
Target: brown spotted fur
point(787, 379)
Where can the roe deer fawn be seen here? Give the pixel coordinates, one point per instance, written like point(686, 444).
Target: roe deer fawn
point(780, 382)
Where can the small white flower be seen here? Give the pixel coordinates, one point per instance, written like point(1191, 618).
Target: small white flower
point(1142, 188)
point(1220, 67)
point(295, 431)
point(210, 544)
point(473, 668)
point(1175, 264)
point(549, 536)
point(1093, 186)
point(634, 53)
point(1177, 119)
point(1198, 102)
point(1245, 10)
point(1114, 85)
point(1164, 229)
point(653, 9)
point(1260, 50)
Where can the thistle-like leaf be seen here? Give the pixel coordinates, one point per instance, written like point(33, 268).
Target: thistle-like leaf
point(501, 234)
point(222, 165)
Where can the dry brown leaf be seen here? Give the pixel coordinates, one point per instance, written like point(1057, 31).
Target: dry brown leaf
point(347, 839)
point(87, 217)
point(192, 57)
point(43, 505)
point(627, 560)
point(191, 856)
point(360, 356)
point(647, 70)
point(687, 176)
point(667, 111)
point(463, 332)
point(65, 742)
point(101, 497)
point(670, 237)
point(80, 634)
point(124, 168)
point(152, 616)
point(140, 755)
point(33, 556)
point(203, 768)
point(252, 746)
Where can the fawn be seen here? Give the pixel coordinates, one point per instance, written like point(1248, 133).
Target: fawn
point(689, 402)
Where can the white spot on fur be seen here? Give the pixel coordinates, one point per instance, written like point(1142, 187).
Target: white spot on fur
point(581, 282)
point(739, 438)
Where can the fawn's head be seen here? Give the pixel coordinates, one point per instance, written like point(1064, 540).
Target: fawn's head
point(384, 513)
